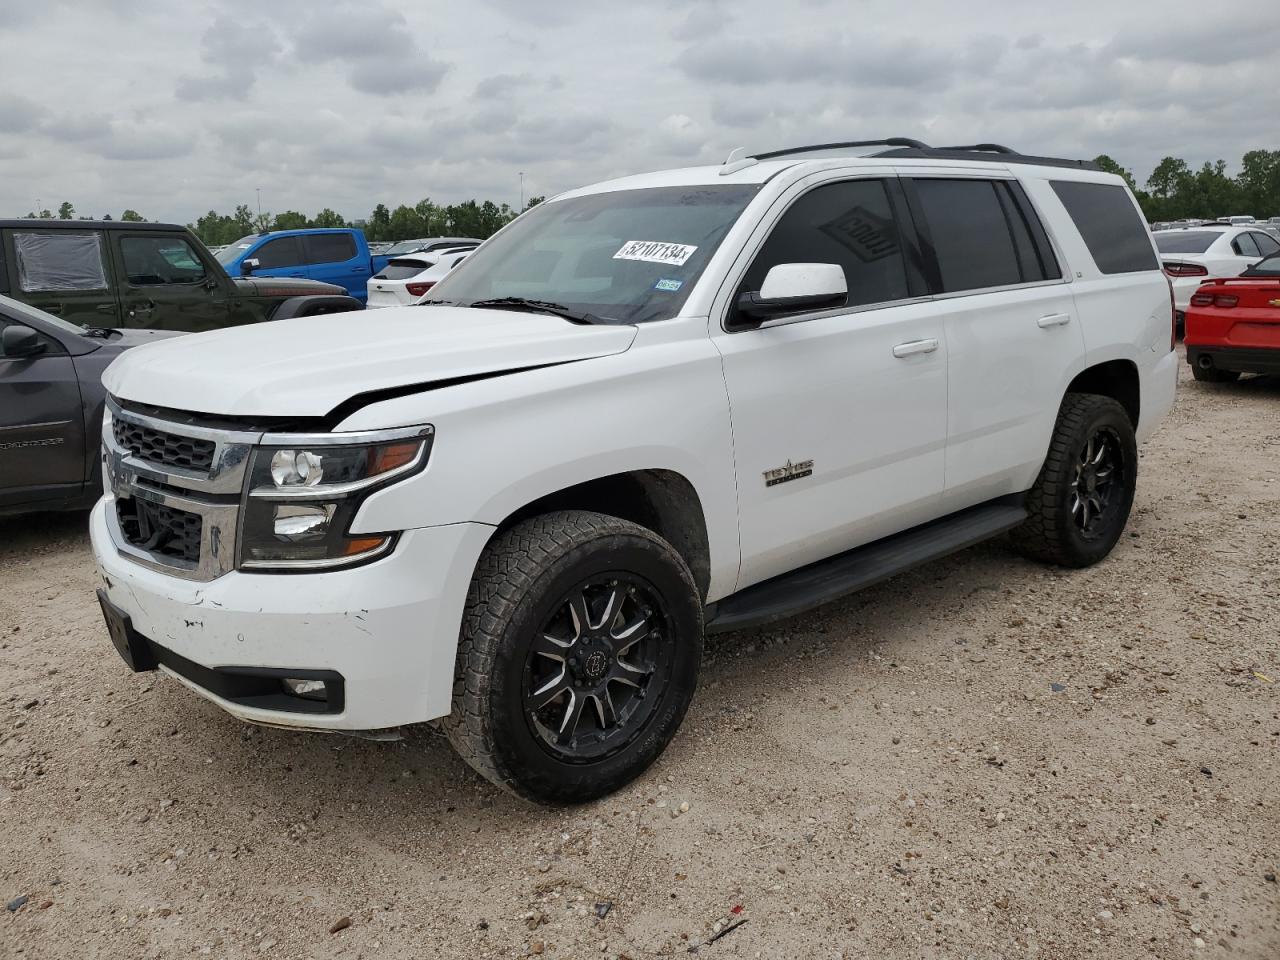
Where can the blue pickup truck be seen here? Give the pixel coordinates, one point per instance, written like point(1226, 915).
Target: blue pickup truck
point(338, 256)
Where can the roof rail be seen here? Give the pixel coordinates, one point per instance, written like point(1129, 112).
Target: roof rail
point(906, 148)
point(887, 142)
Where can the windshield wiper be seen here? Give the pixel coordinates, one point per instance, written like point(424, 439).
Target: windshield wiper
point(541, 306)
point(434, 303)
point(103, 333)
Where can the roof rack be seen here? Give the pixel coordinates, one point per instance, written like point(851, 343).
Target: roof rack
point(906, 148)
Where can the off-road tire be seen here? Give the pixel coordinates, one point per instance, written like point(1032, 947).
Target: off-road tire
point(516, 582)
point(1213, 374)
point(1050, 532)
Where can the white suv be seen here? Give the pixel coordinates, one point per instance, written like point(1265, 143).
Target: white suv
point(692, 400)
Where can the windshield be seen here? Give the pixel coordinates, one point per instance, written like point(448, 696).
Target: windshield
point(16, 310)
point(628, 256)
point(405, 246)
point(232, 251)
point(1195, 242)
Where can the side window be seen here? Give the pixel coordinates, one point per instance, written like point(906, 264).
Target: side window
point(59, 261)
point(1244, 245)
point(282, 252)
point(849, 223)
point(1267, 245)
point(149, 261)
point(971, 234)
point(1114, 232)
point(330, 247)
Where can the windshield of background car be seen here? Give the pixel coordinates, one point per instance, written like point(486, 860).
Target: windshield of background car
point(1270, 267)
point(22, 313)
point(1197, 242)
point(233, 251)
point(626, 256)
point(404, 246)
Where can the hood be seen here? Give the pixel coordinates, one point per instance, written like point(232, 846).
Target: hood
point(282, 287)
point(305, 367)
point(129, 337)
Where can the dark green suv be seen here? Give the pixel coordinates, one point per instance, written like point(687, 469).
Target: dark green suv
point(105, 273)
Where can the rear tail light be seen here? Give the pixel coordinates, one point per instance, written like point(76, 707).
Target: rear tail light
point(418, 289)
point(1214, 300)
point(1185, 270)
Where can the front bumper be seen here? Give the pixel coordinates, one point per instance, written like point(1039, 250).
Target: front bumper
point(389, 628)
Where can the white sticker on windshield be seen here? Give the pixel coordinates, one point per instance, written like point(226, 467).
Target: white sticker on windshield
point(651, 251)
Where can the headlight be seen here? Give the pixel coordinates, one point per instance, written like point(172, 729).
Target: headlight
point(304, 492)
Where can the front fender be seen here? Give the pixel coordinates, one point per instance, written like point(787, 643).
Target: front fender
point(313, 306)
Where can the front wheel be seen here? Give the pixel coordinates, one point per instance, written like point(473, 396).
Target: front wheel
point(578, 656)
point(1080, 503)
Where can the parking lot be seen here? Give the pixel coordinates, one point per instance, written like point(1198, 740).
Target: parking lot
point(982, 758)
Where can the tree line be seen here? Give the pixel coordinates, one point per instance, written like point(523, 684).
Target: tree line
point(1175, 191)
point(425, 218)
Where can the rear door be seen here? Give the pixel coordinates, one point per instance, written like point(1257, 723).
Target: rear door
point(336, 258)
point(1010, 326)
point(41, 424)
point(63, 272)
point(166, 283)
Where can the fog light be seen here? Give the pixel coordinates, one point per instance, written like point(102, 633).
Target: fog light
point(310, 689)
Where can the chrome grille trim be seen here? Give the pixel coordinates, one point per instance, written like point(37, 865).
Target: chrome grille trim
point(213, 494)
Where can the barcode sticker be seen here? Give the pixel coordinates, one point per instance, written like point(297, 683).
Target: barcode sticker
point(652, 251)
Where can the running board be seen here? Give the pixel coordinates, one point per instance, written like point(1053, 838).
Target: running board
point(827, 580)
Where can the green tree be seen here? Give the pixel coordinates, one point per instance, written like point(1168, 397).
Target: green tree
point(46, 214)
point(1260, 182)
point(262, 222)
point(107, 216)
point(244, 221)
point(289, 220)
point(328, 218)
point(66, 211)
point(432, 217)
point(379, 224)
point(405, 224)
point(133, 216)
point(1105, 162)
point(534, 201)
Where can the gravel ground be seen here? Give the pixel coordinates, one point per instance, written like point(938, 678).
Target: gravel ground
point(984, 758)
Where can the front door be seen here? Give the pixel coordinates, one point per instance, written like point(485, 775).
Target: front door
point(41, 425)
point(63, 272)
point(166, 283)
point(839, 417)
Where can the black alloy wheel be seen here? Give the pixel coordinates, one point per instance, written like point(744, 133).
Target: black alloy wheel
point(597, 669)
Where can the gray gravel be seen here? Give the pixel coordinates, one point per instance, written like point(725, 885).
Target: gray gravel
point(984, 758)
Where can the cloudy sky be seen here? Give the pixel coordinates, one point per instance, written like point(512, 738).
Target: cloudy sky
point(173, 109)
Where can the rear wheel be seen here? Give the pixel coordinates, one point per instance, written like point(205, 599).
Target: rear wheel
point(1080, 503)
point(578, 656)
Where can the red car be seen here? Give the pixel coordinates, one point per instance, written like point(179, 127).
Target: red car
point(1233, 325)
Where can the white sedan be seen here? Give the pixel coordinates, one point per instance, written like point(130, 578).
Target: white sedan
point(406, 279)
point(1192, 255)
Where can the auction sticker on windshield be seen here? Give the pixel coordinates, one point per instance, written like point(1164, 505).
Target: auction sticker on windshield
point(651, 251)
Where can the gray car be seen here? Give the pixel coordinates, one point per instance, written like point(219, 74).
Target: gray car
point(51, 399)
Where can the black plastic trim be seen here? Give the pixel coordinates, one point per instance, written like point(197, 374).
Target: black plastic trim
point(818, 583)
point(1240, 359)
point(924, 237)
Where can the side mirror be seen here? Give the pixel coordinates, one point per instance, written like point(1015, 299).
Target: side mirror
point(795, 288)
point(248, 265)
point(20, 341)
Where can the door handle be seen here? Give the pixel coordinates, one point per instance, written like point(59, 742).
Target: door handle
point(1053, 320)
point(52, 308)
point(912, 347)
point(106, 308)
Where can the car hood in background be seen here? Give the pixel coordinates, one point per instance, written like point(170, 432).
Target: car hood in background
point(285, 287)
point(305, 367)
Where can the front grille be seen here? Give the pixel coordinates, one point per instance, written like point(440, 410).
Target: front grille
point(158, 529)
point(167, 449)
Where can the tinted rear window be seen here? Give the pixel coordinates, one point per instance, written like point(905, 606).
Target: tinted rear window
point(1113, 231)
point(402, 269)
point(329, 247)
point(1269, 267)
point(970, 234)
point(1197, 242)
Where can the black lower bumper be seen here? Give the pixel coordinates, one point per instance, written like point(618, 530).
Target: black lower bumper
point(258, 687)
point(1241, 359)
